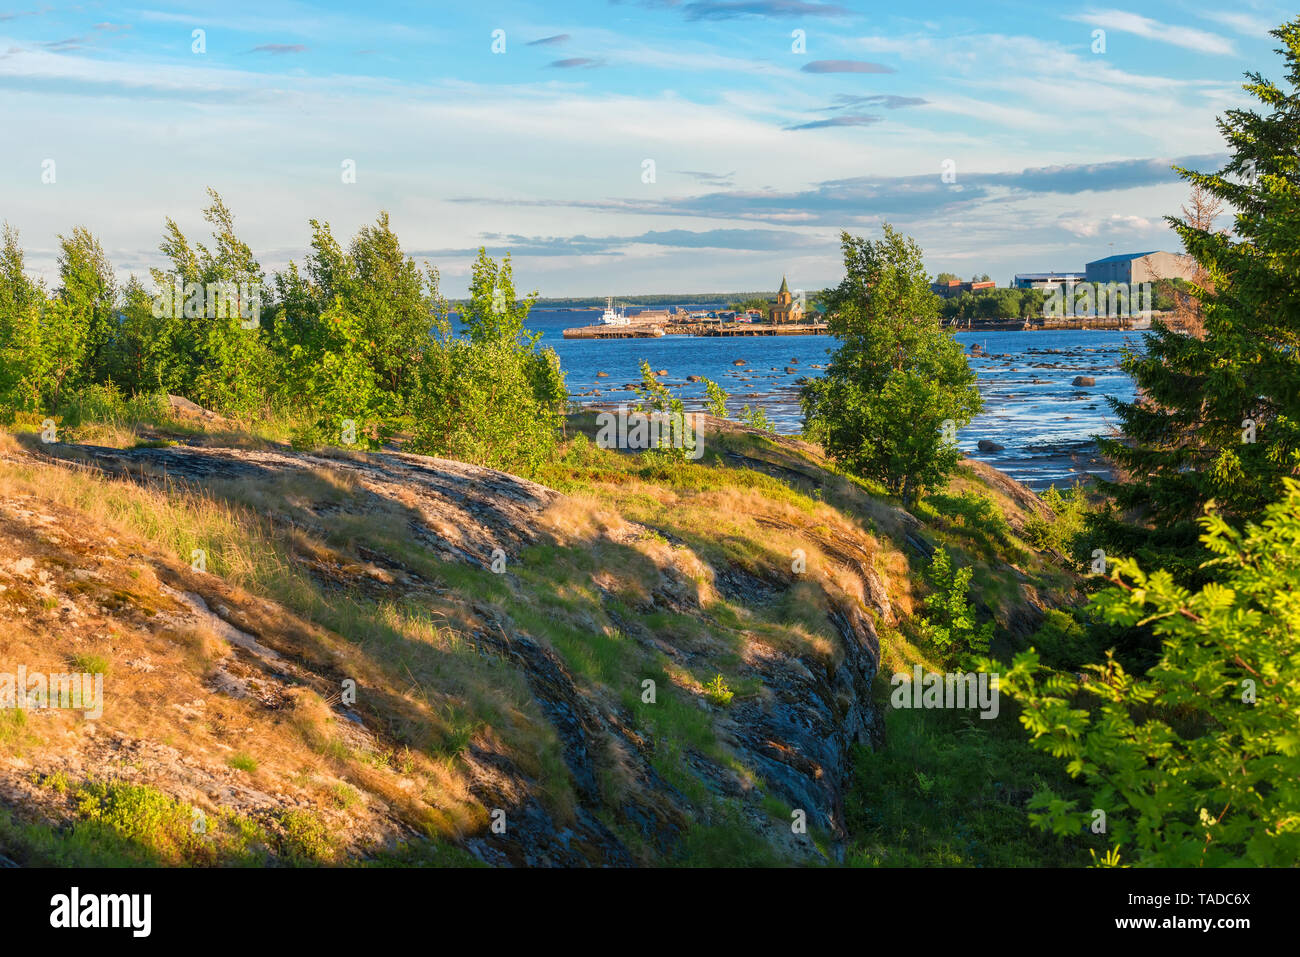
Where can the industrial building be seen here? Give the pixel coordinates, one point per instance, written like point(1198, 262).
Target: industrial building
point(1140, 267)
point(1046, 280)
point(955, 287)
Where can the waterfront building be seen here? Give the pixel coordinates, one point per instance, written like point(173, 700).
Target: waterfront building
point(784, 309)
point(955, 287)
point(1140, 267)
point(1046, 280)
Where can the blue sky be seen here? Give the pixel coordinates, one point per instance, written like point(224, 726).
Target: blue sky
point(761, 151)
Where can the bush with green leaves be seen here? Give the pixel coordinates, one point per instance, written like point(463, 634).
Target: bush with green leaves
point(949, 621)
point(656, 399)
point(1196, 763)
point(489, 403)
point(338, 384)
point(491, 397)
point(756, 418)
point(1064, 529)
point(715, 399)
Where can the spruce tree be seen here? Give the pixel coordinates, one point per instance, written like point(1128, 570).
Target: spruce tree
point(1218, 417)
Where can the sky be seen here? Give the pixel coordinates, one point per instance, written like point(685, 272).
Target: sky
point(617, 148)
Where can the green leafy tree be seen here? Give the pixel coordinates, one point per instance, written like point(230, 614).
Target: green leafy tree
point(1198, 762)
point(897, 377)
point(1218, 416)
point(493, 313)
point(148, 353)
point(87, 298)
point(222, 358)
point(352, 328)
point(749, 303)
point(338, 383)
point(490, 397)
point(22, 299)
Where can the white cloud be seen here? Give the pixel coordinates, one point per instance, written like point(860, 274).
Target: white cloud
point(1244, 23)
point(1188, 38)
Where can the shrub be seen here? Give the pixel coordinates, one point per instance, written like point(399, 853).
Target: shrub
point(655, 399)
point(756, 418)
point(1198, 762)
point(715, 399)
point(949, 620)
point(718, 691)
point(1063, 530)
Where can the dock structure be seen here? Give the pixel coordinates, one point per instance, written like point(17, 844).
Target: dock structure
point(634, 330)
point(749, 329)
point(630, 331)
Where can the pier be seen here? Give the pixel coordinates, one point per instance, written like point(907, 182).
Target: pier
point(750, 329)
point(631, 331)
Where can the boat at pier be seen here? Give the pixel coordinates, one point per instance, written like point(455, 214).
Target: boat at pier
point(612, 317)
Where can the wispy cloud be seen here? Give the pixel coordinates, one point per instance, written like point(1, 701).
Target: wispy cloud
point(577, 63)
point(556, 40)
point(775, 9)
point(279, 49)
point(851, 119)
point(744, 9)
point(846, 101)
point(1188, 38)
point(70, 43)
point(713, 179)
point(753, 240)
point(1244, 23)
point(846, 66)
point(865, 198)
point(1079, 224)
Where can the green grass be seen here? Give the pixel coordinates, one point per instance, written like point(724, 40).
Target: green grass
point(242, 761)
point(116, 824)
point(90, 664)
point(949, 790)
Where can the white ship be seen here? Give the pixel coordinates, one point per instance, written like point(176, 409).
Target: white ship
point(611, 318)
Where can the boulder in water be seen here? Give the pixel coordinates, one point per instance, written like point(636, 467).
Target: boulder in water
point(987, 445)
point(1083, 380)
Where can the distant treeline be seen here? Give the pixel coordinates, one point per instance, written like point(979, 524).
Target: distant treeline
point(655, 299)
point(1005, 303)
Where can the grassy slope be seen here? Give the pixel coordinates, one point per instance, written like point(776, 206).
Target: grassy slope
point(294, 783)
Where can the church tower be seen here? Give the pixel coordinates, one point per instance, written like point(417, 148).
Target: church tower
point(785, 309)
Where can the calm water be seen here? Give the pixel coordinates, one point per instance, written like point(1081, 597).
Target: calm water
point(1046, 425)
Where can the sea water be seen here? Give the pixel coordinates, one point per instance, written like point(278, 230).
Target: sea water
point(1046, 425)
